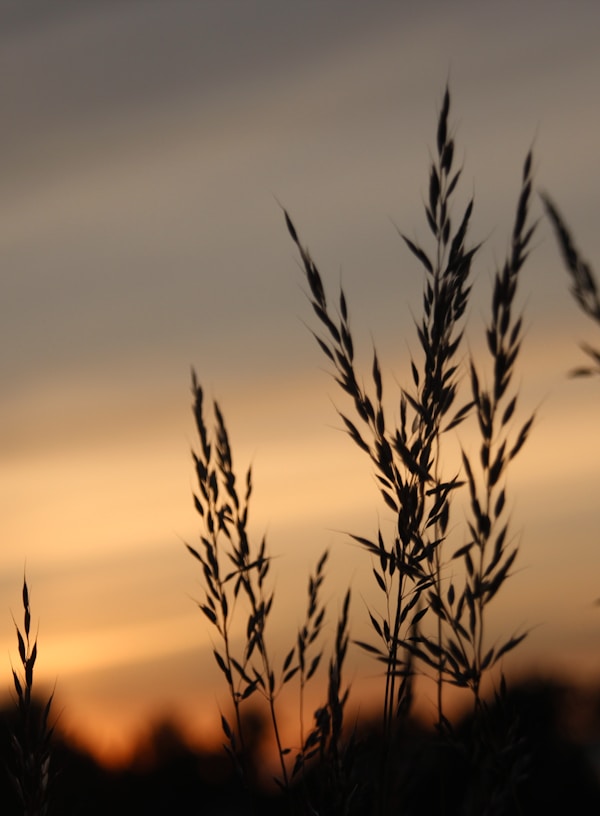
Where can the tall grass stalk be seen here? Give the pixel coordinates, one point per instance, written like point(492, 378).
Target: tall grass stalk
point(232, 568)
point(235, 577)
point(31, 741)
point(407, 455)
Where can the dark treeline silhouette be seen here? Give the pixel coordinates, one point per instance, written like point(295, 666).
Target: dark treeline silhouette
point(551, 771)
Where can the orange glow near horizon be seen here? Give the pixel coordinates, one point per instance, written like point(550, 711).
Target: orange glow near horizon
point(108, 628)
point(121, 636)
point(114, 731)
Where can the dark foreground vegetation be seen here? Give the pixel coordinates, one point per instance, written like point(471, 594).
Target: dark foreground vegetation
point(435, 574)
point(168, 776)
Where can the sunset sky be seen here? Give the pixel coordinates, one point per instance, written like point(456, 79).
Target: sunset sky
point(146, 150)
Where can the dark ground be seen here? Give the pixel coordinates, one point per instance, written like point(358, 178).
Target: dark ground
point(528, 750)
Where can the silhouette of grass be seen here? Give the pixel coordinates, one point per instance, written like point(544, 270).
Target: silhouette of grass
point(412, 571)
point(434, 621)
point(583, 282)
point(408, 457)
point(235, 575)
point(31, 739)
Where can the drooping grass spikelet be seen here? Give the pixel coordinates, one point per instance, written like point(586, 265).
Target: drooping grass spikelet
point(583, 282)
